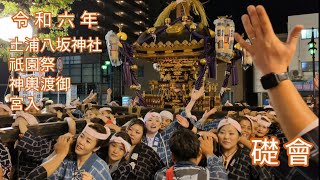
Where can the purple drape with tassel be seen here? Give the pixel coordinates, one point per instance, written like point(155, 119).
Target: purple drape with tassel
point(130, 77)
point(201, 73)
point(234, 74)
point(232, 71)
point(127, 74)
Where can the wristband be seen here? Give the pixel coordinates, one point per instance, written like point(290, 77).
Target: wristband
point(190, 127)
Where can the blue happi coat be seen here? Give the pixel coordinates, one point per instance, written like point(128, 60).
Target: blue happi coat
point(68, 169)
point(161, 143)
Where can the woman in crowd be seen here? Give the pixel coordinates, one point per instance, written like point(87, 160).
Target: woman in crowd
point(90, 114)
point(247, 129)
point(236, 159)
point(158, 141)
point(263, 126)
point(86, 164)
point(119, 147)
point(142, 160)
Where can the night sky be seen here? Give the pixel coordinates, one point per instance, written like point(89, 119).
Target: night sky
point(278, 10)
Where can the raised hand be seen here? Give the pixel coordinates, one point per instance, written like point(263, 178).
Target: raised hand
point(63, 144)
point(206, 145)
point(268, 52)
point(206, 114)
point(196, 94)
point(182, 121)
point(109, 91)
point(209, 134)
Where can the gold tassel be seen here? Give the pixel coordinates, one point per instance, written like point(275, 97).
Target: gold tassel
point(165, 14)
point(199, 9)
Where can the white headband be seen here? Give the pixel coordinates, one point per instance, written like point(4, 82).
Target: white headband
point(95, 134)
point(28, 117)
point(167, 114)
point(118, 139)
point(6, 108)
point(229, 121)
point(266, 122)
point(105, 109)
point(250, 118)
point(151, 115)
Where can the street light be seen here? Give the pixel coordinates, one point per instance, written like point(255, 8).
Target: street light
point(10, 30)
point(312, 50)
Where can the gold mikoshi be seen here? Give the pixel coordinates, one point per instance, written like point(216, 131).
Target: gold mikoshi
point(151, 30)
point(134, 87)
point(122, 36)
point(193, 27)
point(167, 21)
point(134, 67)
point(203, 61)
point(184, 18)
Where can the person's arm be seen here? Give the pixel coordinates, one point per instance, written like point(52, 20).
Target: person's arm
point(61, 149)
point(272, 55)
point(39, 173)
point(206, 115)
point(109, 92)
point(247, 143)
point(35, 147)
point(5, 162)
point(185, 123)
point(195, 95)
point(71, 125)
point(122, 172)
point(214, 164)
point(292, 112)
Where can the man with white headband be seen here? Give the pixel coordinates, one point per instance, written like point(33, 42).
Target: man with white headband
point(87, 164)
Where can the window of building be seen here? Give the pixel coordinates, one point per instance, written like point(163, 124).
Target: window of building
point(71, 59)
point(306, 33)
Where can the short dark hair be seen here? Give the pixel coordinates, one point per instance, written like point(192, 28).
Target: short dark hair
point(184, 145)
point(98, 121)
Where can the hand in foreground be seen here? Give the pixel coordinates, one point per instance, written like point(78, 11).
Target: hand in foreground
point(206, 145)
point(209, 134)
point(63, 144)
point(268, 52)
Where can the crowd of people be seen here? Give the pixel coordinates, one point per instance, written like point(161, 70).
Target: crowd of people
point(163, 145)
